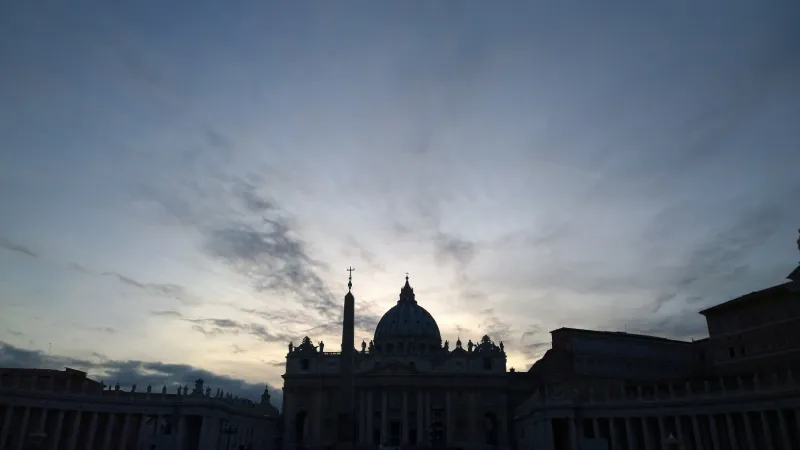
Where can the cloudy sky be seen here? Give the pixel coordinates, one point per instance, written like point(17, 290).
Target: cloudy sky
point(183, 186)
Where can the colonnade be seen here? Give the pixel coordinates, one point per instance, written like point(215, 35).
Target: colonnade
point(62, 429)
point(766, 429)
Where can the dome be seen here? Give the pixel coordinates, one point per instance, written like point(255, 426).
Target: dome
point(407, 322)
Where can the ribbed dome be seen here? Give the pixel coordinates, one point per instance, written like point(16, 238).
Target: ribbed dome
point(407, 321)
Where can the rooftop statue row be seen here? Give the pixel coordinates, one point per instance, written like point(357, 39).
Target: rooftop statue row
point(484, 346)
point(198, 391)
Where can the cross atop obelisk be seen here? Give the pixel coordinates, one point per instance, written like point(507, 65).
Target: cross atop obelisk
point(350, 278)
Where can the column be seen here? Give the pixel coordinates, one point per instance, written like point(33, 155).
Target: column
point(549, 438)
point(92, 432)
point(23, 429)
point(748, 430)
point(76, 425)
point(289, 418)
point(405, 428)
point(428, 411)
point(679, 429)
point(212, 425)
point(205, 434)
point(370, 417)
point(6, 428)
point(42, 421)
point(181, 432)
point(55, 439)
point(767, 431)
point(362, 418)
point(595, 428)
point(661, 431)
point(612, 434)
point(797, 419)
point(648, 437)
point(573, 433)
point(123, 439)
point(142, 428)
point(714, 432)
point(629, 434)
point(472, 411)
point(698, 441)
point(448, 414)
point(503, 438)
point(784, 431)
point(109, 428)
point(420, 419)
point(384, 417)
point(318, 417)
point(731, 432)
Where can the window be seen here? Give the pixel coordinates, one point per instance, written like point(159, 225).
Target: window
point(412, 364)
point(731, 352)
point(487, 363)
point(304, 364)
point(741, 350)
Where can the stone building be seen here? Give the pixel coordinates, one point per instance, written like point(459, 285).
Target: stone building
point(406, 387)
point(761, 329)
point(65, 410)
point(734, 390)
point(622, 355)
point(745, 413)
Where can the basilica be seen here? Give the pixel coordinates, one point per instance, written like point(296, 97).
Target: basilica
point(405, 387)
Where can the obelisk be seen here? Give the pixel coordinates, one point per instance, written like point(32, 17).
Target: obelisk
point(346, 424)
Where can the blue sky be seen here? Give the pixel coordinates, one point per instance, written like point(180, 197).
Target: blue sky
point(187, 184)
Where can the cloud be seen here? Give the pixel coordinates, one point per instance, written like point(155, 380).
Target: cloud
point(449, 248)
point(166, 290)
point(214, 327)
point(251, 235)
point(166, 314)
point(105, 330)
point(493, 326)
point(235, 349)
point(352, 248)
point(18, 248)
point(140, 373)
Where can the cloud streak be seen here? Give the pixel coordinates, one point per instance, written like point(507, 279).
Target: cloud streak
point(211, 327)
point(17, 248)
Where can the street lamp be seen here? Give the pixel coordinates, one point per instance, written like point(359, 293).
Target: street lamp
point(229, 429)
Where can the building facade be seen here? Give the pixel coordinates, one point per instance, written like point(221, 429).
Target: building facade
point(743, 413)
point(734, 390)
point(758, 329)
point(620, 355)
point(65, 410)
point(408, 388)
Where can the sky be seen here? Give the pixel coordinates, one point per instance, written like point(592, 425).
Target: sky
point(183, 185)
